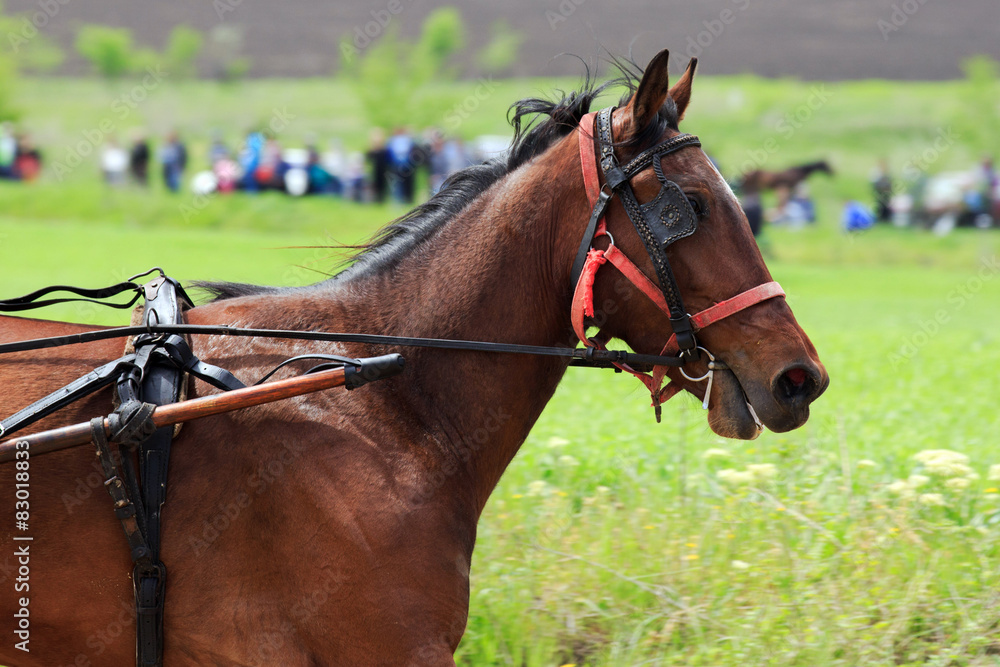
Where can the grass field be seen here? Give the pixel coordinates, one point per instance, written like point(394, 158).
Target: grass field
point(613, 540)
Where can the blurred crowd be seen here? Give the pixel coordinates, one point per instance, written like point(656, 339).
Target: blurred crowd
point(119, 165)
point(969, 198)
point(389, 169)
point(404, 166)
point(20, 159)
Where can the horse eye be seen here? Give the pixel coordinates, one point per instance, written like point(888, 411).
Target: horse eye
point(700, 210)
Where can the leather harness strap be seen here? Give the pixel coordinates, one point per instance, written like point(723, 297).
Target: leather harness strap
point(666, 296)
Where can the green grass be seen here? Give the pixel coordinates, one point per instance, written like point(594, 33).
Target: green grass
point(612, 540)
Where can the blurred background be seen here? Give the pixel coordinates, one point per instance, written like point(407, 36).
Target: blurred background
point(238, 141)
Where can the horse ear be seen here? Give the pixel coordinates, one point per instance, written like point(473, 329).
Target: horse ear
point(652, 91)
point(680, 92)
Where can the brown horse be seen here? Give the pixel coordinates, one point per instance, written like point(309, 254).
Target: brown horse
point(336, 528)
point(760, 180)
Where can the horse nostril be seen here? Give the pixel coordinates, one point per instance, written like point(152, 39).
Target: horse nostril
point(796, 376)
point(797, 385)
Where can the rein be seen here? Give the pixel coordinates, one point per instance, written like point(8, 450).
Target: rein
point(585, 357)
point(668, 218)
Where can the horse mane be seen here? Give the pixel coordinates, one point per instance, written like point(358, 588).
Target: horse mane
point(538, 124)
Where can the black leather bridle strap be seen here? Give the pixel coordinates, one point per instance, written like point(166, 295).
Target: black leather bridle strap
point(34, 300)
point(617, 178)
point(588, 236)
point(74, 391)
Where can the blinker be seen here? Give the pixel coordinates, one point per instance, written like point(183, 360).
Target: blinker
point(670, 216)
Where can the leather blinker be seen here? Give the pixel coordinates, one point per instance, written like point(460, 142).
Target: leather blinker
point(670, 216)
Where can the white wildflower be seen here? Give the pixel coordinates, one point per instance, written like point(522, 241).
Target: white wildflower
point(735, 477)
point(568, 461)
point(958, 483)
point(762, 472)
point(900, 488)
point(916, 481)
point(538, 488)
point(931, 499)
point(867, 463)
point(556, 441)
point(716, 453)
point(944, 462)
point(740, 565)
point(994, 474)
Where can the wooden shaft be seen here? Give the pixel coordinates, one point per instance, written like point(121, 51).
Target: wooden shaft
point(175, 413)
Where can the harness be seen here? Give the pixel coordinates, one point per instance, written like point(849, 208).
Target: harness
point(153, 374)
point(659, 223)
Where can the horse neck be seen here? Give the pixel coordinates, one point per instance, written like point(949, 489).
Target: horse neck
point(499, 271)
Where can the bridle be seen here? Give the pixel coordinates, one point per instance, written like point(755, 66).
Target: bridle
point(660, 222)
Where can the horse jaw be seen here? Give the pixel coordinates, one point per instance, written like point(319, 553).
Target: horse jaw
point(729, 413)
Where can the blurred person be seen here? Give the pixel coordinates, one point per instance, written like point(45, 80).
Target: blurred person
point(217, 150)
point(782, 194)
point(402, 165)
point(991, 189)
point(249, 160)
point(334, 161)
point(114, 163)
point(354, 177)
point(754, 211)
point(27, 159)
point(138, 159)
point(799, 210)
point(456, 156)
point(227, 175)
point(8, 150)
point(321, 180)
point(173, 157)
point(438, 163)
point(856, 217)
point(881, 181)
point(378, 157)
point(271, 170)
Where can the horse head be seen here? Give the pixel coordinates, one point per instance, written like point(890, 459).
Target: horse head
point(771, 371)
